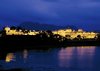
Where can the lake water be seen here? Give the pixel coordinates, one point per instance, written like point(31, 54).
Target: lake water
point(80, 58)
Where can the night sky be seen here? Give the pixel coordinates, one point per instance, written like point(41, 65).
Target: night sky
point(81, 13)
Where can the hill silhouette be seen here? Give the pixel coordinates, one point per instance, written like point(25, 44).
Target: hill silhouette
point(38, 26)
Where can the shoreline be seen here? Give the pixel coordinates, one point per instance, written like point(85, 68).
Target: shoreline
point(32, 42)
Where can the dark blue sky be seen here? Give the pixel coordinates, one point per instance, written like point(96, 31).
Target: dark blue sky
point(81, 13)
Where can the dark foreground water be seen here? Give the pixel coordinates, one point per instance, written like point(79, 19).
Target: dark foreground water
point(80, 58)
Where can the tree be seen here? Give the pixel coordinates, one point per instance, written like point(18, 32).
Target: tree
point(0, 32)
point(78, 36)
point(98, 36)
point(49, 32)
point(3, 32)
point(13, 28)
point(18, 28)
point(68, 36)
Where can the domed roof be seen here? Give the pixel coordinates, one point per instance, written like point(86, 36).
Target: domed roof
point(7, 28)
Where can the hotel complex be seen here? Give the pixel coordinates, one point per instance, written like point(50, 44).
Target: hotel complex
point(71, 34)
point(19, 32)
point(67, 33)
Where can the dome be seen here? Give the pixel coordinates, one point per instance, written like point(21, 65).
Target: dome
point(7, 28)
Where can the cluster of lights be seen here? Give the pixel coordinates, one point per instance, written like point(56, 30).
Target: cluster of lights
point(67, 33)
point(71, 34)
point(20, 32)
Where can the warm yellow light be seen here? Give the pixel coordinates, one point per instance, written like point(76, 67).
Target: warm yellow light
point(7, 28)
point(73, 34)
point(9, 57)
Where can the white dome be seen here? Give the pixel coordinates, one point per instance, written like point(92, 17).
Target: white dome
point(7, 28)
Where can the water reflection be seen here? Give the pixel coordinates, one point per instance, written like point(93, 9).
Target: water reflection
point(85, 56)
point(25, 55)
point(77, 57)
point(86, 50)
point(81, 57)
point(65, 55)
point(10, 57)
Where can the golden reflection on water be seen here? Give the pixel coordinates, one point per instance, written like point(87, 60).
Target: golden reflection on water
point(65, 55)
point(79, 54)
point(88, 51)
point(10, 57)
point(25, 54)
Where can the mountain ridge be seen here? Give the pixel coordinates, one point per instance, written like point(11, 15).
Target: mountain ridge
point(38, 26)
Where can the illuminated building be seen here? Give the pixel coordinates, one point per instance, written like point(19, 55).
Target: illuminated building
point(20, 32)
point(67, 33)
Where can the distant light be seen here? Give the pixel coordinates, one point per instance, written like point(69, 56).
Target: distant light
point(9, 57)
